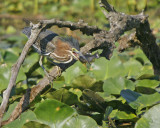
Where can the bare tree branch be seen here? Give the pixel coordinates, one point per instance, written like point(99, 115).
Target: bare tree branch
point(30, 95)
point(106, 5)
point(128, 41)
point(149, 46)
point(84, 27)
point(15, 69)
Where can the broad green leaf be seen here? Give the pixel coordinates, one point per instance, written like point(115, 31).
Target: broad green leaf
point(24, 118)
point(108, 111)
point(63, 95)
point(80, 122)
point(146, 70)
point(150, 119)
point(115, 85)
point(139, 101)
point(10, 110)
point(140, 54)
point(76, 91)
point(107, 97)
point(75, 70)
point(10, 56)
point(147, 83)
point(132, 67)
point(59, 83)
point(35, 124)
point(4, 76)
point(10, 30)
point(30, 61)
point(118, 115)
point(21, 75)
point(83, 82)
point(94, 100)
point(54, 113)
point(103, 68)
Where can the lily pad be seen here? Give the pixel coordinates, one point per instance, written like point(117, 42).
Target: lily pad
point(115, 85)
point(54, 113)
point(137, 100)
point(150, 119)
point(75, 70)
point(24, 118)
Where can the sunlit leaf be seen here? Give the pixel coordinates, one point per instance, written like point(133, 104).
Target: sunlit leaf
point(139, 101)
point(80, 122)
point(35, 124)
point(103, 68)
point(4, 76)
point(9, 111)
point(83, 82)
point(75, 70)
point(118, 115)
point(132, 67)
point(150, 119)
point(115, 85)
point(54, 113)
point(63, 95)
point(24, 118)
point(147, 83)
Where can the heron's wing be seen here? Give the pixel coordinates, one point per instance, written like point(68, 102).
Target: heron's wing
point(43, 43)
point(71, 41)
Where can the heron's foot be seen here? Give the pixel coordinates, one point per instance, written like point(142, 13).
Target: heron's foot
point(59, 70)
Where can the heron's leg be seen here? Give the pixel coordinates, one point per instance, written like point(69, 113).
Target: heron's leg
point(59, 69)
point(41, 64)
point(51, 83)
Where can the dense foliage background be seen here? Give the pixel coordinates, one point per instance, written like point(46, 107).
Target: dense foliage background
point(121, 91)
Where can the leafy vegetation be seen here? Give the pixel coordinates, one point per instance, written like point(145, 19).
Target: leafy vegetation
point(120, 91)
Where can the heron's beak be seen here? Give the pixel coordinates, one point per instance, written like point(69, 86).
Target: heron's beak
point(80, 54)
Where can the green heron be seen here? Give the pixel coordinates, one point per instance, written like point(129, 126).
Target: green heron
point(58, 49)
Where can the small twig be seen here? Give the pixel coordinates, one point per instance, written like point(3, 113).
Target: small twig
point(15, 69)
point(83, 27)
point(106, 5)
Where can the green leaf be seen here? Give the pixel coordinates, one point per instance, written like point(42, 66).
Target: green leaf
point(10, 110)
point(139, 101)
point(147, 83)
point(10, 56)
point(25, 117)
point(10, 30)
point(30, 61)
point(75, 70)
point(115, 85)
point(35, 124)
point(54, 113)
point(80, 122)
point(132, 67)
point(57, 84)
point(140, 54)
point(21, 75)
point(83, 82)
point(94, 100)
point(77, 92)
point(146, 71)
point(4, 76)
point(150, 119)
point(103, 68)
point(63, 95)
point(122, 115)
